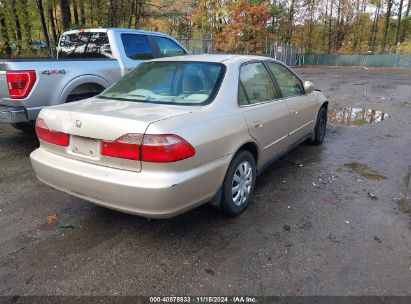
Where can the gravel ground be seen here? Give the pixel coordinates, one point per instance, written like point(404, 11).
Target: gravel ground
point(326, 220)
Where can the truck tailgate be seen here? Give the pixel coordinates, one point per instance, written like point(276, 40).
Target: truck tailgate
point(4, 91)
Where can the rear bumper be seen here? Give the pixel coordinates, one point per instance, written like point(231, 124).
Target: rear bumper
point(150, 194)
point(13, 114)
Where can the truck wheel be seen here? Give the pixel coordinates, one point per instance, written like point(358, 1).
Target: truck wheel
point(238, 185)
point(27, 127)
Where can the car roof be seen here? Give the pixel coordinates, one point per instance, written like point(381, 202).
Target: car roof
point(214, 58)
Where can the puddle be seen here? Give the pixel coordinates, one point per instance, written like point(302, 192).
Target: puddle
point(355, 116)
point(365, 171)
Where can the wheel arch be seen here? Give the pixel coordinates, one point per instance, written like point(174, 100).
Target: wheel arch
point(83, 84)
point(251, 147)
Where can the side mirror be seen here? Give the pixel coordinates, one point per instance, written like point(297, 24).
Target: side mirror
point(308, 87)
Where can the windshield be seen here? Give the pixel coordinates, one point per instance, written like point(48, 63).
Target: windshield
point(170, 82)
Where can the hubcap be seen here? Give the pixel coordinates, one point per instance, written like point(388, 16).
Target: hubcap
point(241, 185)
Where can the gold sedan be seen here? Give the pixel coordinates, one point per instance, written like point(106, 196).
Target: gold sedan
point(178, 132)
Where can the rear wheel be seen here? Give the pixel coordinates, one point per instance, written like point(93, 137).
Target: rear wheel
point(238, 185)
point(320, 126)
point(27, 127)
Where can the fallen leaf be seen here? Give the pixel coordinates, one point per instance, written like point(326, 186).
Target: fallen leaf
point(51, 218)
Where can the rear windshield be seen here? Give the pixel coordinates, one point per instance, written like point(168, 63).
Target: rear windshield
point(84, 45)
point(180, 83)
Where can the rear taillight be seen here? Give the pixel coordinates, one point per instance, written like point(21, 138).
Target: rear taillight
point(148, 148)
point(20, 83)
point(127, 146)
point(54, 137)
point(165, 148)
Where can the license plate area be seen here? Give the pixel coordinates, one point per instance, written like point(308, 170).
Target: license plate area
point(85, 146)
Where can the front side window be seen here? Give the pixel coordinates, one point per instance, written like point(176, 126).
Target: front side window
point(289, 84)
point(84, 45)
point(168, 47)
point(256, 85)
point(137, 46)
point(180, 83)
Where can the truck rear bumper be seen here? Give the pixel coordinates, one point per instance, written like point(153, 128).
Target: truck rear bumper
point(13, 114)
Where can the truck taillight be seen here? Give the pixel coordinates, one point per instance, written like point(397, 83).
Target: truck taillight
point(161, 148)
point(44, 133)
point(20, 83)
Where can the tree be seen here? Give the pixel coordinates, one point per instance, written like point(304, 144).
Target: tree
point(407, 12)
point(75, 13)
point(397, 31)
point(53, 27)
point(19, 35)
point(290, 21)
point(27, 25)
point(65, 14)
point(3, 30)
point(374, 27)
point(44, 25)
point(242, 24)
point(386, 23)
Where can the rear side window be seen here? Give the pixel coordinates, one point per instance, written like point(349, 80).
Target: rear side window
point(289, 84)
point(137, 46)
point(256, 85)
point(84, 45)
point(168, 47)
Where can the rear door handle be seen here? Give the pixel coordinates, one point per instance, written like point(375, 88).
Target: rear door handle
point(258, 124)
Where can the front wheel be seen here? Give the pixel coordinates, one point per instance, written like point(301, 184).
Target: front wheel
point(320, 126)
point(238, 185)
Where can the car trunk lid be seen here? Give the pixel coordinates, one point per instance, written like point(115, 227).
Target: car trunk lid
point(91, 121)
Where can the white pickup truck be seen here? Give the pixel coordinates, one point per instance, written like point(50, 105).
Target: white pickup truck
point(88, 62)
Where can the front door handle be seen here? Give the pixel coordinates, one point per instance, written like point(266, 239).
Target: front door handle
point(258, 124)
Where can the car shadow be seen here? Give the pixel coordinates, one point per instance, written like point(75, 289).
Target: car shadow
point(17, 141)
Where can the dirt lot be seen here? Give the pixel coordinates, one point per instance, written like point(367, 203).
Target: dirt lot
point(346, 203)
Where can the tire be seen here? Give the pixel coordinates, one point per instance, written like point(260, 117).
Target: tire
point(231, 202)
point(320, 126)
point(26, 127)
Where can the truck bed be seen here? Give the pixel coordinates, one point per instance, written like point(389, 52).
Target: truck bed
point(55, 77)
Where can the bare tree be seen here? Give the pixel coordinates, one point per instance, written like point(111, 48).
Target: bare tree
point(44, 25)
point(82, 14)
point(386, 24)
point(330, 28)
point(52, 26)
point(65, 14)
point(290, 20)
point(407, 12)
point(75, 13)
point(374, 27)
point(397, 32)
point(138, 13)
